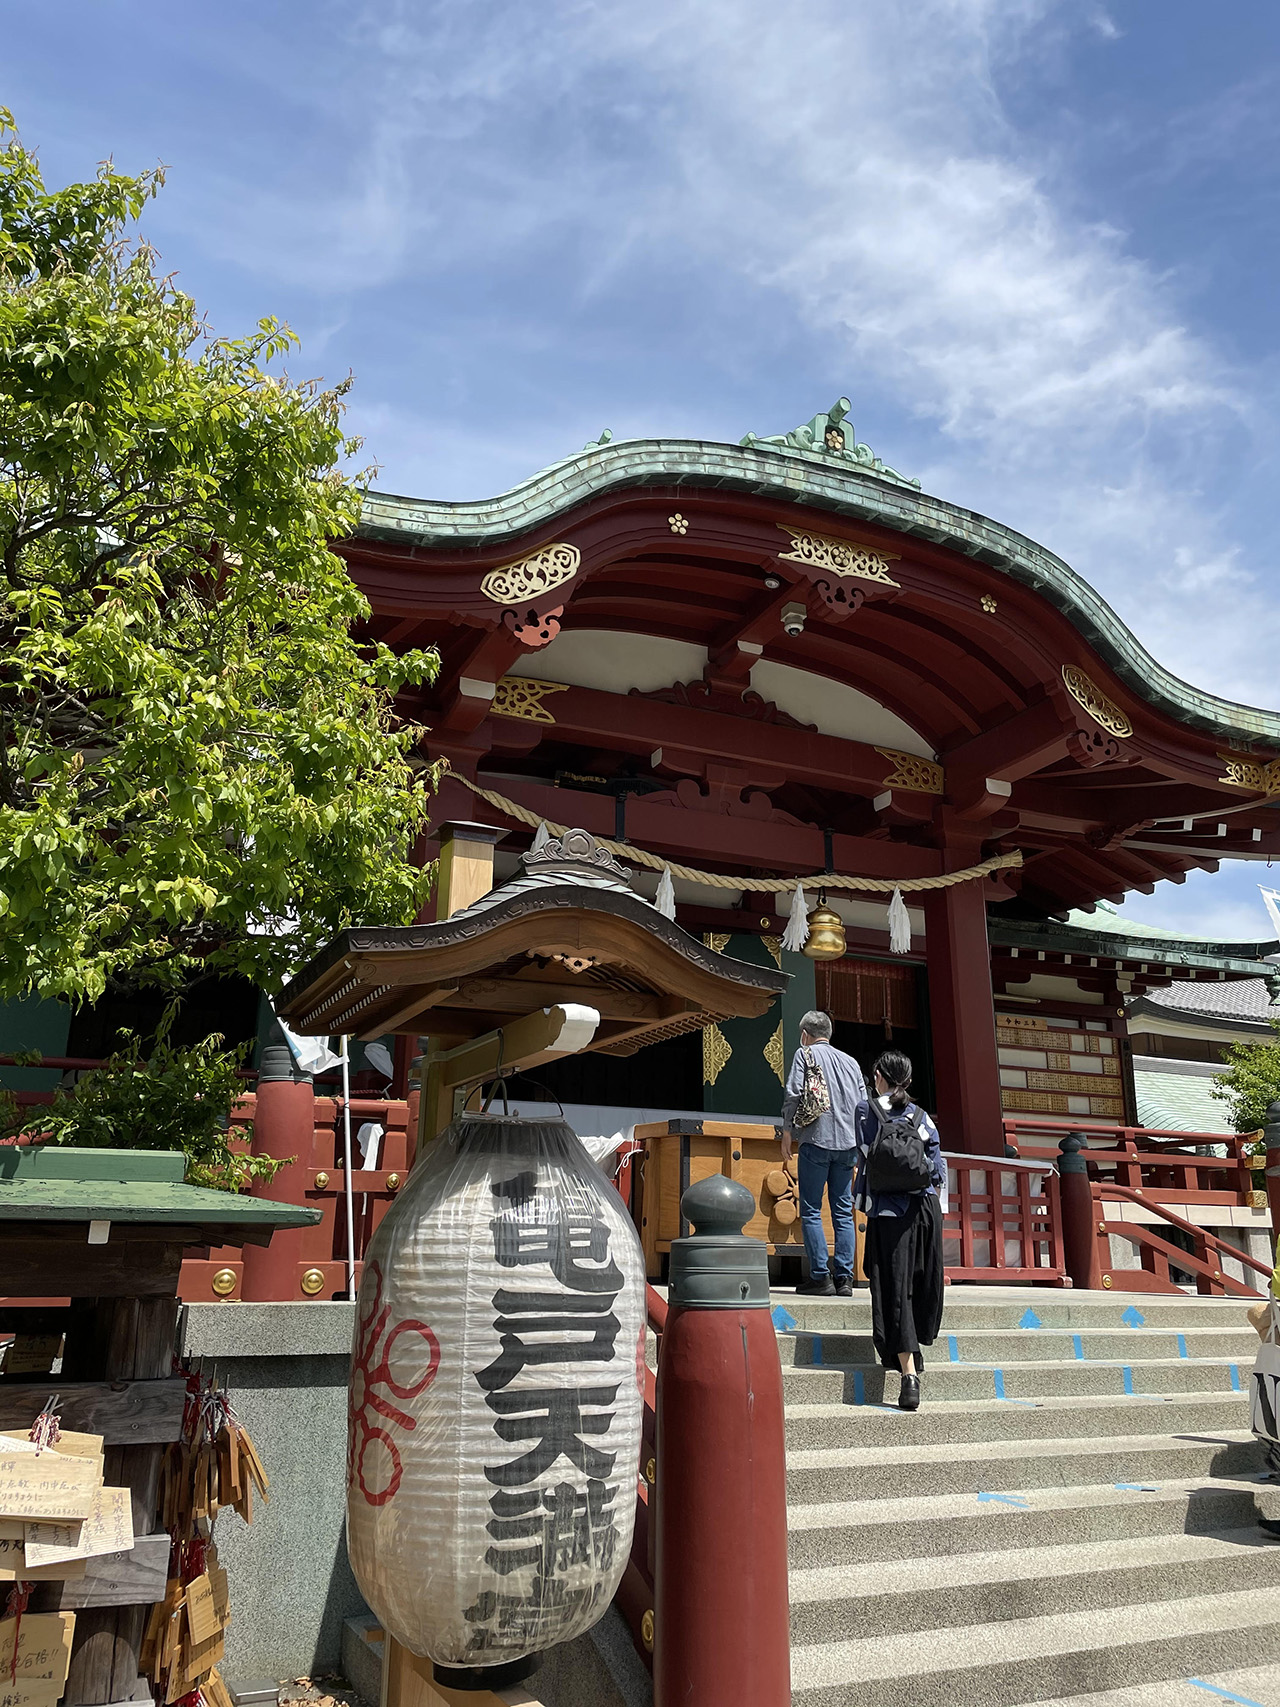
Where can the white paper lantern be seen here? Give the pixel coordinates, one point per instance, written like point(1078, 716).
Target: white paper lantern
point(496, 1396)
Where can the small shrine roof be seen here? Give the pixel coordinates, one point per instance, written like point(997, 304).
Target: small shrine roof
point(53, 1182)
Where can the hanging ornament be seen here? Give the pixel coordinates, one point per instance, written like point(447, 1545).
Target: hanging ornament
point(665, 899)
point(496, 1398)
point(793, 938)
point(899, 925)
point(826, 940)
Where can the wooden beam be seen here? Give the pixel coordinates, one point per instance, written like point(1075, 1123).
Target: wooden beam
point(1019, 746)
point(124, 1413)
point(514, 995)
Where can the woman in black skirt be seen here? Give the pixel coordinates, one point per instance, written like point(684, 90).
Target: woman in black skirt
point(903, 1255)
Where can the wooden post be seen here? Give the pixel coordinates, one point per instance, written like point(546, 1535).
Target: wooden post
point(465, 872)
point(963, 1019)
point(283, 1127)
point(127, 1339)
point(1080, 1215)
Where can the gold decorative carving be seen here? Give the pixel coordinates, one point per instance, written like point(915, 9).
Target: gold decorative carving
point(1261, 776)
point(716, 941)
point(1103, 711)
point(911, 771)
point(678, 523)
point(516, 583)
point(716, 1051)
point(838, 556)
point(522, 696)
point(774, 945)
point(224, 1281)
point(988, 604)
point(312, 1282)
point(773, 1054)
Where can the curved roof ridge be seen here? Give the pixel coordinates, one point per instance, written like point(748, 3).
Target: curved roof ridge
point(816, 480)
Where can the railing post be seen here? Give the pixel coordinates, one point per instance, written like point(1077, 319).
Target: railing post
point(283, 1126)
point(722, 1619)
point(1079, 1216)
point(1271, 1137)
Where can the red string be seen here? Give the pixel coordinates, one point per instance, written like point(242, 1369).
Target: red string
point(15, 1606)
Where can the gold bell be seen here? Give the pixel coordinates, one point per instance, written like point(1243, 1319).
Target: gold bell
point(827, 940)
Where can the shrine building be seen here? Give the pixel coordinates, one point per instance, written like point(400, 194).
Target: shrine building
point(780, 659)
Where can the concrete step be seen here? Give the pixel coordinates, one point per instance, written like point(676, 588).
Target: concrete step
point(848, 1603)
point(931, 1526)
point(1071, 1417)
point(868, 1383)
point(900, 1472)
point(1258, 1686)
point(1005, 1346)
point(1031, 1659)
point(978, 1308)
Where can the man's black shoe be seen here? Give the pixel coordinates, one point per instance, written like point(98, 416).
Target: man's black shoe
point(822, 1287)
point(844, 1288)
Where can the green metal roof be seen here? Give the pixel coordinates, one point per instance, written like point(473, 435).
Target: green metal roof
point(50, 1182)
point(1177, 1102)
point(1153, 948)
point(824, 483)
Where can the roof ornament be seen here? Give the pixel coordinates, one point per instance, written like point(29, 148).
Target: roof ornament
point(594, 444)
point(569, 853)
point(832, 435)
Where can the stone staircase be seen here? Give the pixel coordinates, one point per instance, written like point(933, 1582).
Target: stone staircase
point(1070, 1518)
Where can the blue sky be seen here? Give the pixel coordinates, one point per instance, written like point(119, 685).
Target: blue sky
point(1033, 240)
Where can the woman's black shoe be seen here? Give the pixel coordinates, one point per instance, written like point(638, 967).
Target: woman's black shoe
point(909, 1393)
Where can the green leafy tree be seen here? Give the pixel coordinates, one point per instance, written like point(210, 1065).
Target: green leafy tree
point(1251, 1081)
point(200, 768)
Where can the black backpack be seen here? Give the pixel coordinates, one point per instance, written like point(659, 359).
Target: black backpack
point(898, 1158)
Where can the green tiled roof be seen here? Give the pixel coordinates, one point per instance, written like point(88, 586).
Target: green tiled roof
point(1177, 1102)
point(50, 1182)
point(819, 482)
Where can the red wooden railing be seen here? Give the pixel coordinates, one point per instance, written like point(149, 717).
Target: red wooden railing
point(1152, 1161)
point(1003, 1221)
point(1159, 1255)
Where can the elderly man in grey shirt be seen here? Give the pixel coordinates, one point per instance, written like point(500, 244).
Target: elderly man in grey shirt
point(828, 1152)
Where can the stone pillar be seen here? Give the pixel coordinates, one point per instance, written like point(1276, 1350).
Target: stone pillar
point(963, 1020)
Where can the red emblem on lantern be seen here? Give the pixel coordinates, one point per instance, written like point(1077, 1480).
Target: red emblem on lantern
point(384, 1469)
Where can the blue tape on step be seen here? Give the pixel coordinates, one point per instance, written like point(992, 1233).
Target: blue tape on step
point(815, 1353)
point(1128, 1381)
point(998, 1376)
point(953, 1348)
point(1235, 1379)
point(1078, 1343)
point(859, 1391)
point(1223, 1694)
point(1182, 1345)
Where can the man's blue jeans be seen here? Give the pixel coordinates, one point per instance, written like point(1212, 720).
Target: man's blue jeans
point(817, 1168)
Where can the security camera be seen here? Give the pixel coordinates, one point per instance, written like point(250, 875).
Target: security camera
point(793, 616)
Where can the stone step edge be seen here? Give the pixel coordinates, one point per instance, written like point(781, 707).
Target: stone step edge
point(826, 1458)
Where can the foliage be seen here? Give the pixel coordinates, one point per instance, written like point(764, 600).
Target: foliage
point(174, 1099)
point(1251, 1081)
point(200, 768)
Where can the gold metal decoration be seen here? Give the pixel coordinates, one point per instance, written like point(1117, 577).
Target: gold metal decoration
point(827, 940)
point(646, 1629)
point(312, 1281)
point(910, 771)
point(988, 604)
point(516, 583)
point(393, 1182)
point(774, 945)
point(322, 1181)
point(1262, 776)
point(716, 940)
point(838, 556)
point(1104, 712)
point(224, 1282)
point(773, 1054)
point(1257, 1200)
point(522, 696)
point(716, 1051)
point(651, 1470)
point(678, 523)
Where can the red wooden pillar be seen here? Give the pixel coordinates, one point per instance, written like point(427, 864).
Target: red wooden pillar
point(963, 1020)
point(283, 1126)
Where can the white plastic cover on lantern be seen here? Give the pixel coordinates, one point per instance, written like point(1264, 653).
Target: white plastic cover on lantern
point(496, 1396)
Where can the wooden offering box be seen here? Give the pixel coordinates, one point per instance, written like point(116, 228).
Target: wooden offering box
point(678, 1153)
